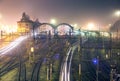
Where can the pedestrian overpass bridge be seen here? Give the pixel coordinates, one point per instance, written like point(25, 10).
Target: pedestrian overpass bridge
point(67, 29)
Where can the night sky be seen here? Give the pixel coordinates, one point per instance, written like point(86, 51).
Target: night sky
point(69, 11)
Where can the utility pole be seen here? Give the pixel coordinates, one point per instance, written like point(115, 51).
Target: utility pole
point(80, 69)
point(51, 71)
point(48, 73)
point(97, 71)
point(80, 53)
point(111, 75)
point(80, 72)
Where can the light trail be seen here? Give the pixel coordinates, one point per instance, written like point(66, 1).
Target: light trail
point(65, 71)
point(70, 63)
point(66, 66)
point(12, 45)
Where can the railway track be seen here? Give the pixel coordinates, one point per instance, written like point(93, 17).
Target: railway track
point(22, 68)
point(36, 70)
point(22, 72)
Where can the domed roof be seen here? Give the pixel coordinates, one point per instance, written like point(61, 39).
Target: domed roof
point(115, 26)
point(25, 18)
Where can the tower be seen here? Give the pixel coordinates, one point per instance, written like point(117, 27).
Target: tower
point(25, 25)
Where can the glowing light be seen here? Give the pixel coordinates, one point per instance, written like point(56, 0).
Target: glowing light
point(117, 13)
point(95, 61)
point(106, 56)
point(90, 26)
point(32, 49)
point(12, 45)
point(109, 25)
point(8, 28)
point(75, 25)
point(53, 21)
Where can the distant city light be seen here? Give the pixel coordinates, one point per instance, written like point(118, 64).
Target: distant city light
point(109, 25)
point(8, 28)
point(90, 26)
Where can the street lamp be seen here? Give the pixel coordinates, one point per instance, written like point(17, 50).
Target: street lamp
point(117, 13)
point(53, 21)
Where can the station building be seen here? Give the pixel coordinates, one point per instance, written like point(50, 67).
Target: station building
point(26, 25)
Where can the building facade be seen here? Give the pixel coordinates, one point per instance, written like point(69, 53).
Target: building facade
point(25, 25)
